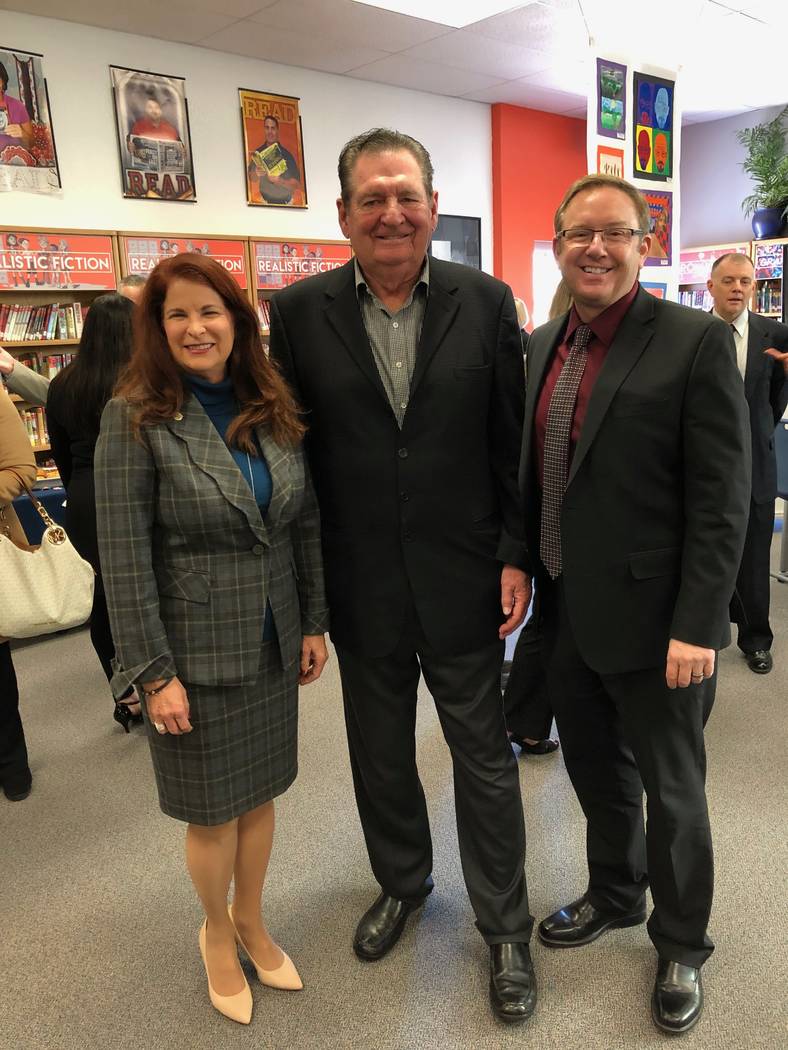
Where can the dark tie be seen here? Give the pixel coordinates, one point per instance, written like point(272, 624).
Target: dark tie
point(556, 448)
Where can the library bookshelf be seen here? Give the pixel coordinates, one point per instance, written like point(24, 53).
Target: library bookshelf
point(48, 279)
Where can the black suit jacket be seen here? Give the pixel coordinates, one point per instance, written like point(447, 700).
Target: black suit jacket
point(427, 513)
point(657, 497)
point(766, 390)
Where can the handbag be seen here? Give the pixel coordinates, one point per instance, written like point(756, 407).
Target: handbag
point(44, 589)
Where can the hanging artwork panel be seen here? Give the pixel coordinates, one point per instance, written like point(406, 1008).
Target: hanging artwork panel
point(28, 160)
point(652, 152)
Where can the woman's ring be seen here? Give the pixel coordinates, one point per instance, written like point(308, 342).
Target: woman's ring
point(699, 675)
point(160, 727)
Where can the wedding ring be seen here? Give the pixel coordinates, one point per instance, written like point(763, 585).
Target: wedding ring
point(700, 677)
point(160, 727)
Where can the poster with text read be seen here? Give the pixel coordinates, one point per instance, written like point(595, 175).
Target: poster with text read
point(273, 150)
point(154, 143)
point(28, 160)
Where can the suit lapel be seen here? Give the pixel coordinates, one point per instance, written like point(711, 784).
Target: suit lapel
point(757, 341)
point(442, 307)
point(633, 336)
point(209, 453)
point(344, 316)
point(538, 355)
point(280, 461)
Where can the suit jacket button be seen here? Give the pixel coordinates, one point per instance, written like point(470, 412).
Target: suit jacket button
point(402, 453)
point(258, 548)
point(178, 417)
point(407, 536)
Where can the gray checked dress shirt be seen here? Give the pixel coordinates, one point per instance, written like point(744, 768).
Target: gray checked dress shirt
point(394, 337)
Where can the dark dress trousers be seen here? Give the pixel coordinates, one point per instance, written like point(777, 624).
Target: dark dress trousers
point(416, 524)
point(652, 528)
point(766, 391)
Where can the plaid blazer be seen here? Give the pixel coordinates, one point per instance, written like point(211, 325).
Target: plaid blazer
point(188, 562)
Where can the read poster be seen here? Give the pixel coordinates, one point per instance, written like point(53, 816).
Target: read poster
point(273, 150)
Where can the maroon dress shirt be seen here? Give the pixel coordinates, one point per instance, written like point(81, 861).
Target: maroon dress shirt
point(603, 329)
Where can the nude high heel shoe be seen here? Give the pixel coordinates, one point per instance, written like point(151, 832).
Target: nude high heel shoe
point(237, 1007)
point(284, 976)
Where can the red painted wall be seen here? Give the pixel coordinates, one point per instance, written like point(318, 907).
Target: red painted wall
point(535, 158)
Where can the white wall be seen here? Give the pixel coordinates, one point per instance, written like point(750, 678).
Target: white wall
point(333, 109)
point(712, 182)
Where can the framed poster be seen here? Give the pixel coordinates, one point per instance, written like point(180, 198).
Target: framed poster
point(660, 209)
point(273, 150)
point(652, 154)
point(611, 94)
point(656, 288)
point(140, 252)
point(28, 160)
point(154, 143)
point(41, 260)
point(280, 263)
point(610, 161)
point(458, 238)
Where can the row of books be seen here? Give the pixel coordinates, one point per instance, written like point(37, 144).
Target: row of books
point(698, 299)
point(35, 421)
point(264, 312)
point(48, 366)
point(769, 298)
point(22, 323)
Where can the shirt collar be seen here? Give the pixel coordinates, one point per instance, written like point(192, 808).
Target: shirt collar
point(605, 325)
point(739, 323)
point(361, 281)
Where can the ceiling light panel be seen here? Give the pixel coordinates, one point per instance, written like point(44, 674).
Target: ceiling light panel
point(456, 13)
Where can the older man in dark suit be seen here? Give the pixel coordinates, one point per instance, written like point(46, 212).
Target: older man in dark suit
point(762, 357)
point(635, 472)
point(411, 373)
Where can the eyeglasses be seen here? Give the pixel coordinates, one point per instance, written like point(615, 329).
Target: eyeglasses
point(613, 235)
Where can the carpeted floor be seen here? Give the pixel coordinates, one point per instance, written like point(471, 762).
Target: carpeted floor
point(98, 921)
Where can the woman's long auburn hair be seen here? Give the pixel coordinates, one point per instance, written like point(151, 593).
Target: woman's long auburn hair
point(154, 386)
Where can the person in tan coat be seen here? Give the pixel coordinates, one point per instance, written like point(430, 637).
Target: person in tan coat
point(17, 469)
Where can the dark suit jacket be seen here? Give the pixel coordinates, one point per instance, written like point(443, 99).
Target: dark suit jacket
point(766, 390)
point(657, 498)
point(187, 560)
point(427, 513)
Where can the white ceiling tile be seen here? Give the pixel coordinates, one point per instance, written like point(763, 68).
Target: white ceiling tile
point(175, 20)
point(423, 76)
point(538, 28)
point(294, 49)
point(465, 49)
point(574, 78)
point(350, 23)
point(530, 94)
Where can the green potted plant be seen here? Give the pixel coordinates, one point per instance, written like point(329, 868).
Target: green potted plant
point(766, 162)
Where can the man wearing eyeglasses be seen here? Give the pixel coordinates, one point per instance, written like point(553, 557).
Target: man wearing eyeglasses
point(635, 479)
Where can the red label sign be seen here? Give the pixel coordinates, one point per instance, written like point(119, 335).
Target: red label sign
point(54, 261)
point(279, 263)
point(141, 254)
point(695, 267)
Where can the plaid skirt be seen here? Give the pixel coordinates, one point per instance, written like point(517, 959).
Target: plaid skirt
point(242, 750)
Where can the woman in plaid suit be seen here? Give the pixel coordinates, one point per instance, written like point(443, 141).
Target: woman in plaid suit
point(210, 549)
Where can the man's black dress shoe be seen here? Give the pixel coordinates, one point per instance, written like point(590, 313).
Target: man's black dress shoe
point(759, 661)
point(580, 923)
point(381, 926)
point(512, 982)
point(541, 747)
point(17, 786)
point(677, 1001)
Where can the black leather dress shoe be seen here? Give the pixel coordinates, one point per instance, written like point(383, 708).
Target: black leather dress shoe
point(17, 787)
point(759, 661)
point(677, 1001)
point(580, 923)
point(381, 926)
point(512, 982)
point(541, 747)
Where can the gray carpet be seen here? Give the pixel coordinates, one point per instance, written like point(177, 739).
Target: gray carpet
point(98, 921)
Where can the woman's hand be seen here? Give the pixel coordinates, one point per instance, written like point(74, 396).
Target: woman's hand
point(313, 658)
point(168, 710)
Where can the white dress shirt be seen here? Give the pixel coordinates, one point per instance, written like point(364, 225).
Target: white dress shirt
point(741, 327)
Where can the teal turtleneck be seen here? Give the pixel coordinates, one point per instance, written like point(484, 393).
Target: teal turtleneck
point(221, 407)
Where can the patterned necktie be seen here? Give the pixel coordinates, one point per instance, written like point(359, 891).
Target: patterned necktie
point(556, 448)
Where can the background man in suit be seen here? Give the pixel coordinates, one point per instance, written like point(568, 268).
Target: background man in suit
point(636, 487)
point(23, 381)
point(411, 373)
point(762, 357)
